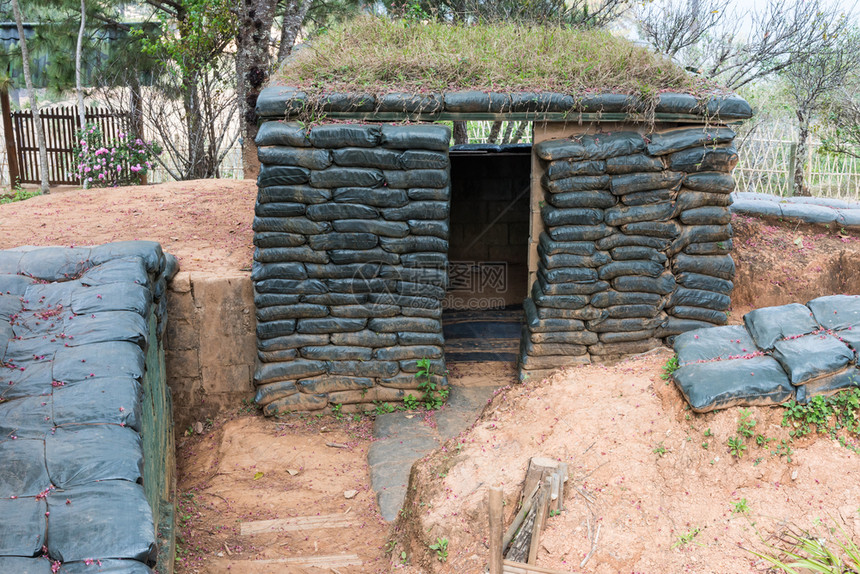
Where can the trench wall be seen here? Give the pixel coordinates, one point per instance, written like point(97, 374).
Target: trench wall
point(631, 241)
point(350, 266)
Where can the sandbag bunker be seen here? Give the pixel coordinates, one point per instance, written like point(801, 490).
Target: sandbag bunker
point(780, 353)
point(629, 241)
point(86, 443)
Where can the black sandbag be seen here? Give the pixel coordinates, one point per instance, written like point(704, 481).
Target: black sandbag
point(541, 102)
point(396, 324)
point(364, 311)
point(631, 311)
point(836, 311)
point(557, 301)
point(23, 472)
point(759, 381)
point(828, 385)
point(693, 234)
point(422, 159)
point(282, 175)
point(671, 141)
point(347, 177)
point(375, 255)
point(296, 402)
point(347, 102)
point(277, 328)
point(664, 230)
point(125, 296)
point(410, 338)
point(627, 337)
point(692, 199)
point(333, 211)
point(664, 284)
point(709, 248)
point(120, 270)
point(700, 314)
point(9, 260)
point(421, 290)
point(429, 227)
point(417, 210)
point(633, 252)
point(106, 567)
point(361, 285)
point(327, 241)
point(711, 182)
point(554, 217)
point(564, 338)
point(83, 454)
point(288, 370)
point(568, 287)
point(289, 255)
point(537, 325)
point(365, 157)
point(364, 338)
point(421, 311)
point(345, 135)
point(624, 240)
point(400, 353)
point(713, 344)
point(273, 299)
point(635, 267)
point(811, 356)
point(434, 260)
point(428, 136)
point(699, 298)
point(677, 103)
point(551, 247)
point(571, 275)
point(631, 183)
point(620, 349)
point(35, 379)
point(6, 333)
point(705, 282)
point(567, 260)
point(413, 244)
point(301, 157)
point(110, 359)
point(565, 168)
point(148, 251)
point(542, 349)
point(276, 239)
point(371, 368)
point(722, 266)
point(114, 514)
point(584, 314)
point(105, 326)
point(376, 197)
point(711, 215)
point(24, 526)
point(593, 198)
point(11, 284)
point(335, 299)
point(55, 263)
point(704, 159)
point(675, 326)
point(579, 232)
point(622, 325)
point(377, 227)
point(291, 286)
point(337, 353)
point(39, 565)
point(293, 193)
point(613, 298)
point(633, 164)
point(291, 342)
point(622, 215)
point(297, 311)
point(648, 197)
point(428, 275)
point(426, 178)
point(548, 362)
point(575, 183)
point(592, 147)
point(282, 133)
point(771, 324)
point(299, 225)
point(405, 301)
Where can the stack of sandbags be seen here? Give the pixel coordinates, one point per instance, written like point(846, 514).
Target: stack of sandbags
point(350, 269)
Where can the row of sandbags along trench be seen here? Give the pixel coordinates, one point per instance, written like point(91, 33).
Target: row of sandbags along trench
point(350, 265)
point(636, 246)
point(790, 352)
point(86, 443)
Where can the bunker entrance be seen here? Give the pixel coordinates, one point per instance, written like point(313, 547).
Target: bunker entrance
point(488, 252)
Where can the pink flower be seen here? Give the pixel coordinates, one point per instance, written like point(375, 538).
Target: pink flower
point(118, 168)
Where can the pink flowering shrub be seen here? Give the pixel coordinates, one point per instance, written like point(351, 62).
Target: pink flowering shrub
point(122, 161)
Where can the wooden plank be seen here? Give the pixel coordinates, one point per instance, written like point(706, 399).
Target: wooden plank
point(512, 567)
point(329, 561)
point(540, 520)
point(297, 523)
point(9, 136)
point(497, 518)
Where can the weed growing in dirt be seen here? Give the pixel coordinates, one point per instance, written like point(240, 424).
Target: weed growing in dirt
point(18, 194)
point(804, 552)
point(434, 395)
point(736, 446)
point(746, 424)
point(410, 403)
point(687, 538)
point(670, 367)
point(441, 548)
point(336, 411)
point(659, 450)
point(741, 506)
point(383, 408)
point(783, 450)
point(838, 416)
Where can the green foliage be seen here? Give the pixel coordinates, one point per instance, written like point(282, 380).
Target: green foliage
point(441, 548)
point(435, 394)
point(741, 506)
point(383, 408)
point(687, 537)
point(336, 410)
point(670, 367)
point(659, 450)
point(19, 194)
point(736, 446)
point(746, 424)
point(806, 552)
point(411, 403)
point(120, 161)
point(836, 416)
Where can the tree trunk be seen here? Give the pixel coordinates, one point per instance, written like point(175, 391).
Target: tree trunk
point(521, 130)
point(509, 128)
point(461, 133)
point(253, 62)
point(79, 87)
point(294, 18)
point(194, 125)
point(494, 132)
point(34, 105)
point(800, 187)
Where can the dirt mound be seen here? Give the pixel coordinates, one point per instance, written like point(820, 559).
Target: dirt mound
point(658, 480)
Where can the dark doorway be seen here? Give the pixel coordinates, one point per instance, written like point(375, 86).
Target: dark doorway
point(488, 251)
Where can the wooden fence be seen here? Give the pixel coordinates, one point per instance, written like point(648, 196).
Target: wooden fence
point(60, 125)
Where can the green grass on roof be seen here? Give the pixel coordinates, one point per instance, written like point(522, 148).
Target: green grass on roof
point(378, 55)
